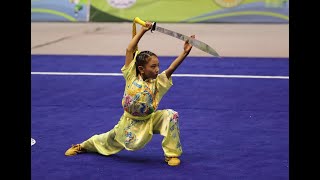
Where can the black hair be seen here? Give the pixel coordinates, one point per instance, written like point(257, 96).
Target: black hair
point(142, 59)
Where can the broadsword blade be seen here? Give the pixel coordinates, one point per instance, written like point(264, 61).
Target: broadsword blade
point(194, 42)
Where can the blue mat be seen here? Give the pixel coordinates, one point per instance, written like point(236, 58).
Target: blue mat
point(231, 128)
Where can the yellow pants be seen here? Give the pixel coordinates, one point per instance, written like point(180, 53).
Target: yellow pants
point(133, 133)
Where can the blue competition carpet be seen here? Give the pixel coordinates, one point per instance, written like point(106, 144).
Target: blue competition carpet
point(232, 127)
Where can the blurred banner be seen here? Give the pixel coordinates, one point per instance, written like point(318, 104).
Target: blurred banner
point(170, 11)
point(192, 11)
point(59, 10)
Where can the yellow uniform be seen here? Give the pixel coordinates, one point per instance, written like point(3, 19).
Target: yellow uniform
point(140, 119)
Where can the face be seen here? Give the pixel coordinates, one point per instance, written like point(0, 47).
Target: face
point(151, 69)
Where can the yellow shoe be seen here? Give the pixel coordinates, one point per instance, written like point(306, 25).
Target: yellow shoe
point(75, 149)
point(172, 161)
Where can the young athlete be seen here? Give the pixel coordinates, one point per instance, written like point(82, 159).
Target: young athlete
point(144, 89)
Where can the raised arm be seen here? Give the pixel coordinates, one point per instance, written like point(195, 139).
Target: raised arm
point(134, 42)
point(175, 64)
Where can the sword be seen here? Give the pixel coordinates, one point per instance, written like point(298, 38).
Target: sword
point(194, 42)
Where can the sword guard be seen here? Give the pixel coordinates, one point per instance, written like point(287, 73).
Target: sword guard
point(154, 24)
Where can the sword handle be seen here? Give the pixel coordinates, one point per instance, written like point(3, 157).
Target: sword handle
point(139, 21)
point(143, 23)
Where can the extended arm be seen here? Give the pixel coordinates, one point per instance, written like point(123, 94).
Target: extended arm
point(134, 41)
point(175, 64)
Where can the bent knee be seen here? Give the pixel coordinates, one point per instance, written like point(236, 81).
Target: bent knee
point(174, 115)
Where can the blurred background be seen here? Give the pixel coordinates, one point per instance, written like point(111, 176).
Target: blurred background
point(237, 28)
